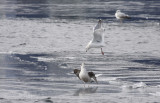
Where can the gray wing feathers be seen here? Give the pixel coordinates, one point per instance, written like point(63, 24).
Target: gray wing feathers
point(123, 15)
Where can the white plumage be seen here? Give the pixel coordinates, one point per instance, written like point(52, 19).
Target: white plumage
point(120, 16)
point(98, 38)
point(84, 75)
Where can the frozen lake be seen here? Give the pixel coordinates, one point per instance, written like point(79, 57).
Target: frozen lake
point(42, 41)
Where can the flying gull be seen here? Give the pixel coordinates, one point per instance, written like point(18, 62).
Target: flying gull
point(84, 75)
point(98, 38)
point(121, 16)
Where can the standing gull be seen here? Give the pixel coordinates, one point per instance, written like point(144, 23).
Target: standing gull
point(98, 38)
point(84, 75)
point(121, 16)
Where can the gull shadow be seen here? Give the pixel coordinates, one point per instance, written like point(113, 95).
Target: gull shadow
point(83, 91)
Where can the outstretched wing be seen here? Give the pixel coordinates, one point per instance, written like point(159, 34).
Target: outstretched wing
point(92, 75)
point(76, 72)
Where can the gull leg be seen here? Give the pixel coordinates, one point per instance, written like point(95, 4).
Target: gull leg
point(121, 21)
point(102, 51)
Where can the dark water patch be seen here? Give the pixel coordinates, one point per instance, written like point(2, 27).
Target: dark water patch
point(38, 79)
point(149, 61)
point(84, 17)
point(142, 69)
point(31, 16)
point(26, 67)
point(22, 44)
point(31, 1)
point(152, 83)
point(28, 57)
point(48, 100)
point(82, 9)
point(22, 61)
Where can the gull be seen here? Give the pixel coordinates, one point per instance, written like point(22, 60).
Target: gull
point(84, 75)
point(98, 38)
point(121, 16)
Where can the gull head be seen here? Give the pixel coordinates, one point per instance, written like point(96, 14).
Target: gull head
point(118, 11)
point(99, 22)
point(99, 25)
point(82, 65)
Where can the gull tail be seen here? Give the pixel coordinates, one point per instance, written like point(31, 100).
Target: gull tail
point(127, 17)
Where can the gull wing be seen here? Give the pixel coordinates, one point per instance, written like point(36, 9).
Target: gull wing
point(92, 75)
point(76, 72)
point(123, 15)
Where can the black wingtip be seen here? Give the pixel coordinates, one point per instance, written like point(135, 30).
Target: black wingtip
point(76, 71)
point(129, 17)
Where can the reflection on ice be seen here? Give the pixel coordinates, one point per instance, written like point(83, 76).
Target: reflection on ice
point(83, 91)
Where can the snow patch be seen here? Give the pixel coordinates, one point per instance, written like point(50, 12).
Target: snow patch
point(134, 86)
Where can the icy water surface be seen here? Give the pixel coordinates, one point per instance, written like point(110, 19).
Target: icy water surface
point(43, 41)
point(49, 78)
